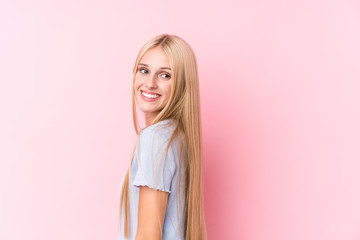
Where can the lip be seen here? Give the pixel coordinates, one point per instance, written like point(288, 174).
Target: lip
point(149, 99)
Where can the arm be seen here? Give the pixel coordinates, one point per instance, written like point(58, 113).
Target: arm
point(151, 213)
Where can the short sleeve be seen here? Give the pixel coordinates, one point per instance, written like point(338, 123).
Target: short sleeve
point(155, 166)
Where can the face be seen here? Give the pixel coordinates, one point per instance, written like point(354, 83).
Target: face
point(152, 84)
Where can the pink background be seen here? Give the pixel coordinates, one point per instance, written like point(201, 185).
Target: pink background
point(280, 92)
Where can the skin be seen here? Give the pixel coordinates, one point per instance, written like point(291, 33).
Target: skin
point(153, 75)
point(151, 213)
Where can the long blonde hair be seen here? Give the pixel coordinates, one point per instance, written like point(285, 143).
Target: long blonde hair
point(184, 108)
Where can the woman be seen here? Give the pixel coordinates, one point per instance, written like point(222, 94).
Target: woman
point(162, 192)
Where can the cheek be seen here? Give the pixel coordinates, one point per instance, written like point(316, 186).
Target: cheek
point(137, 83)
point(167, 89)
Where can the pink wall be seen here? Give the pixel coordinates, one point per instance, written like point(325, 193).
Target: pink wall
point(280, 83)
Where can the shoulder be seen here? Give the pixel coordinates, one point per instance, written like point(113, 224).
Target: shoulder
point(155, 162)
point(160, 131)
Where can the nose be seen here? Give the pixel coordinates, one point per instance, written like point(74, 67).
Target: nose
point(151, 82)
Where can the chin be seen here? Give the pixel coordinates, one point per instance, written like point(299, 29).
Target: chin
point(150, 111)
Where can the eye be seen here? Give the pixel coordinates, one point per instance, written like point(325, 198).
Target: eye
point(165, 75)
point(143, 70)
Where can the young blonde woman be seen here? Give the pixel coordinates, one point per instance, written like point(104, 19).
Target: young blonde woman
point(161, 196)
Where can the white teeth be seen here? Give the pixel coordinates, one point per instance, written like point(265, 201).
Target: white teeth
point(149, 95)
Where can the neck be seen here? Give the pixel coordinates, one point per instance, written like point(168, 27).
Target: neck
point(149, 117)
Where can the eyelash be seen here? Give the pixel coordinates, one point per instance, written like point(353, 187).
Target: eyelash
point(140, 70)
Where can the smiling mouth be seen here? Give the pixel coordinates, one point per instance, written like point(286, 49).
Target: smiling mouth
point(148, 95)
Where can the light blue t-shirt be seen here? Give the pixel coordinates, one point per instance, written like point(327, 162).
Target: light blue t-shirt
point(147, 170)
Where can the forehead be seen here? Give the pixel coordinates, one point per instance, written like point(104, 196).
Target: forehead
point(155, 58)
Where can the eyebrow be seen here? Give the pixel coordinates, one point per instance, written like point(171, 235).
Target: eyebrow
point(148, 66)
